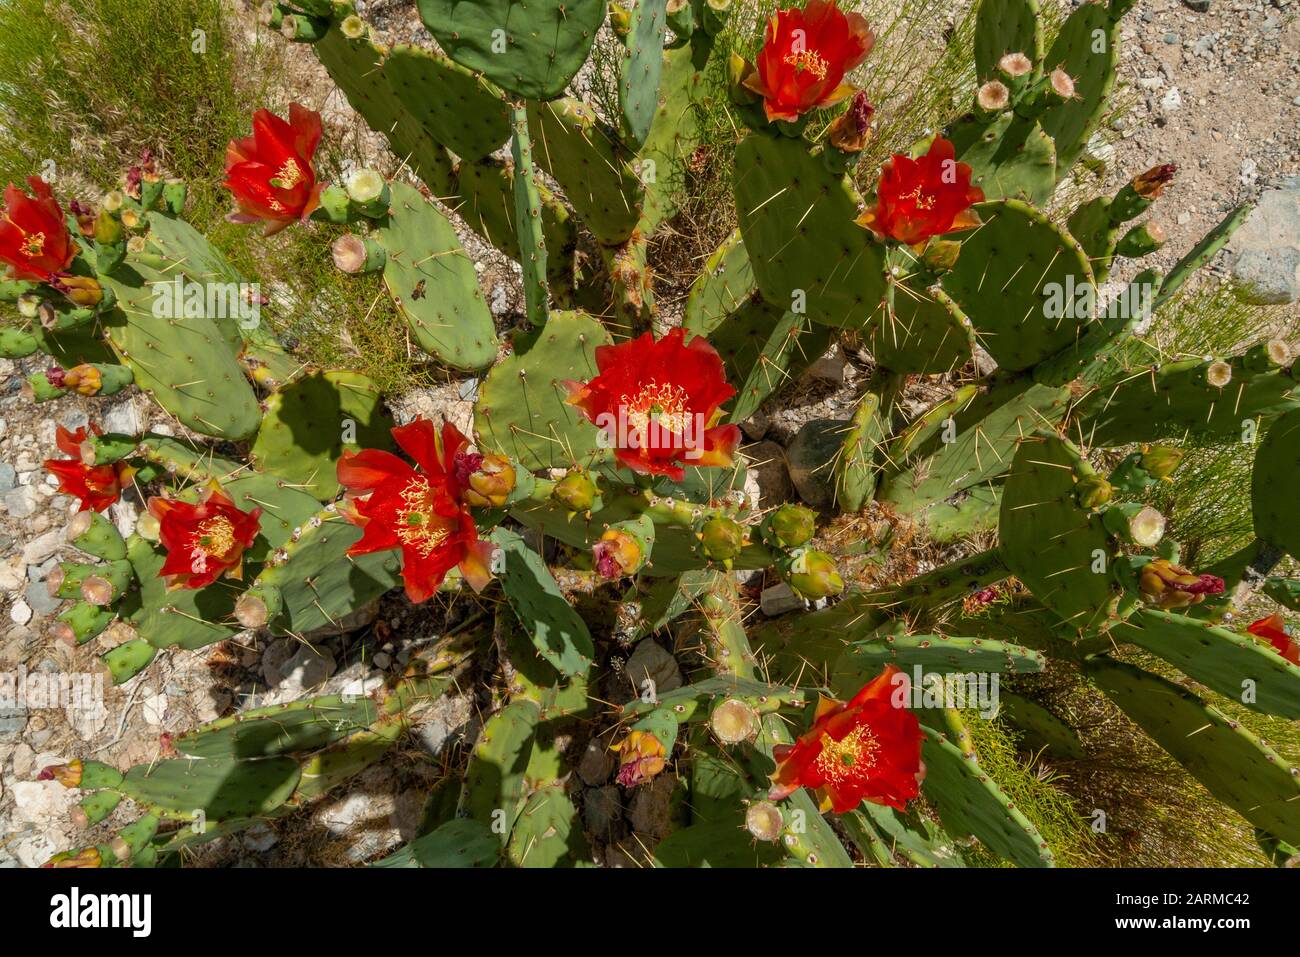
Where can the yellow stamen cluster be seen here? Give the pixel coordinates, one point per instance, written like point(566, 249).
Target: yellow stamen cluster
point(289, 176)
point(849, 757)
point(922, 200)
point(33, 244)
point(419, 526)
point(809, 60)
point(215, 537)
point(665, 404)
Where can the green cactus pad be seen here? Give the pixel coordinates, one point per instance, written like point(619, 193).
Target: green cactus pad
point(533, 49)
point(1219, 659)
point(921, 331)
point(494, 780)
point(1019, 257)
point(590, 163)
point(557, 631)
point(723, 286)
point(718, 844)
point(1202, 253)
point(1071, 123)
point(1040, 728)
point(1277, 463)
point(1049, 541)
point(547, 832)
point(1234, 765)
point(222, 788)
point(856, 469)
point(280, 729)
point(1284, 591)
point(185, 364)
point(456, 107)
point(184, 618)
point(642, 62)
point(302, 435)
point(674, 134)
point(797, 219)
point(521, 410)
point(935, 654)
point(433, 283)
point(457, 843)
point(190, 463)
point(970, 802)
point(1176, 399)
point(912, 837)
point(528, 219)
point(1006, 26)
point(1010, 157)
point(691, 701)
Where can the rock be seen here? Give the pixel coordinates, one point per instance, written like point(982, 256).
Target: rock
point(20, 613)
point(1249, 171)
point(596, 764)
point(276, 655)
point(1200, 6)
point(649, 810)
point(830, 368)
point(602, 812)
point(447, 716)
point(767, 467)
point(778, 599)
point(38, 597)
point(756, 426)
point(260, 838)
point(42, 547)
point(11, 576)
point(1172, 101)
point(1266, 250)
point(651, 662)
point(810, 459)
point(13, 722)
point(122, 415)
point(43, 803)
point(24, 762)
point(444, 403)
point(154, 709)
point(8, 477)
point(20, 502)
point(309, 668)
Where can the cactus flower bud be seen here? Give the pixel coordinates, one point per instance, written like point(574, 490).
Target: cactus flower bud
point(722, 539)
point(814, 575)
point(618, 553)
point(82, 290)
point(1151, 184)
point(87, 857)
point(763, 820)
point(69, 775)
point(734, 721)
point(641, 756)
point(790, 526)
point(1093, 491)
point(941, 254)
point(576, 492)
point(84, 379)
point(1160, 461)
point(487, 480)
point(1169, 586)
point(851, 129)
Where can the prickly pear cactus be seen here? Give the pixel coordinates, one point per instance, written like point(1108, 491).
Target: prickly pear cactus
point(597, 510)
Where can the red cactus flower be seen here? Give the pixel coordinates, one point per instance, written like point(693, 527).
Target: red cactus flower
point(920, 198)
point(1273, 630)
point(658, 403)
point(203, 541)
point(805, 56)
point(96, 486)
point(866, 750)
point(417, 511)
point(270, 172)
point(34, 238)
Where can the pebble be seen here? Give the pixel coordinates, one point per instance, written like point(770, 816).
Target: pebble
point(20, 502)
point(42, 547)
point(1172, 101)
point(20, 613)
point(651, 662)
point(1171, 38)
point(38, 597)
point(778, 599)
point(8, 477)
point(1200, 6)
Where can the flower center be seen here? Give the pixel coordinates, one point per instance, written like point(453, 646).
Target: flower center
point(214, 537)
point(919, 199)
point(809, 60)
point(850, 757)
point(419, 525)
point(664, 405)
point(290, 175)
point(33, 244)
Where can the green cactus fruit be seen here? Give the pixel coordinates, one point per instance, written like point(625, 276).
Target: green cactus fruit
point(95, 535)
point(577, 491)
point(557, 631)
point(312, 421)
point(1019, 256)
point(107, 583)
point(17, 343)
point(1237, 666)
point(790, 526)
point(1141, 240)
point(722, 538)
point(128, 659)
point(797, 220)
point(813, 574)
point(1234, 765)
point(521, 411)
point(1093, 491)
point(1057, 548)
point(82, 622)
point(433, 283)
point(589, 161)
point(533, 57)
point(65, 580)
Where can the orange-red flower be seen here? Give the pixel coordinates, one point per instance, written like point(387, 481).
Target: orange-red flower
point(96, 486)
point(805, 56)
point(418, 511)
point(270, 172)
point(34, 238)
point(866, 750)
point(920, 198)
point(1273, 630)
point(659, 402)
point(203, 541)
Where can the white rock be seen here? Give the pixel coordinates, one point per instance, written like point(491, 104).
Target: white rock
point(778, 599)
point(21, 612)
point(42, 547)
point(154, 709)
point(1172, 101)
point(43, 803)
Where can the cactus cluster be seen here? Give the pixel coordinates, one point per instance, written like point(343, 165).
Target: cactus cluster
point(289, 505)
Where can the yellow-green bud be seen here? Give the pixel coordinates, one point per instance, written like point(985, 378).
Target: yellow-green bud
point(722, 539)
point(576, 492)
point(790, 526)
point(814, 575)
